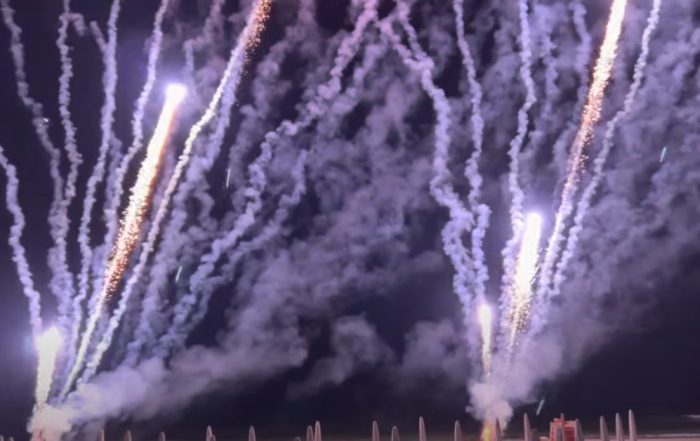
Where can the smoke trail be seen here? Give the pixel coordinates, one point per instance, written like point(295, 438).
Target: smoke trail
point(589, 118)
point(110, 82)
point(258, 179)
point(211, 24)
point(200, 290)
point(61, 283)
point(47, 344)
point(317, 106)
point(15, 241)
point(517, 196)
point(583, 56)
point(440, 186)
point(109, 79)
point(74, 157)
point(471, 170)
point(599, 162)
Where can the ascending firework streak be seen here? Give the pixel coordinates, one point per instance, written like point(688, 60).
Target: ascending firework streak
point(132, 221)
point(47, 345)
point(602, 157)
point(484, 316)
point(250, 37)
point(589, 118)
point(520, 292)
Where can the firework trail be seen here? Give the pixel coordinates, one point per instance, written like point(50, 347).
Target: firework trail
point(48, 345)
point(583, 57)
point(599, 162)
point(484, 316)
point(517, 196)
point(131, 222)
point(61, 284)
point(589, 118)
point(15, 241)
point(110, 82)
point(520, 292)
point(471, 170)
point(230, 79)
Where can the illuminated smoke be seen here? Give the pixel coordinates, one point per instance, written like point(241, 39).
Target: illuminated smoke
point(132, 220)
point(47, 345)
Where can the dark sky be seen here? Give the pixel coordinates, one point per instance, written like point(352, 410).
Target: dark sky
point(652, 366)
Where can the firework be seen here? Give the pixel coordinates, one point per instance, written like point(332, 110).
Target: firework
point(520, 293)
point(589, 118)
point(47, 345)
point(132, 220)
point(484, 315)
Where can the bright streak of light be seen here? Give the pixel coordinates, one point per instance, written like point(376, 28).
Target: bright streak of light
point(47, 344)
point(589, 118)
point(484, 315)
point(663, 154)
point(141, 193)
point(132, 219)
point(525, 269)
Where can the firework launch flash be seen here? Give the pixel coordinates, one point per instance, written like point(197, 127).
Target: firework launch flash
point(525, 269)
point(589, 118)
point(132, 219)
point(47, 345)
point(484, 315)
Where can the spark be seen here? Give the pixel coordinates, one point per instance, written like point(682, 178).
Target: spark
point(525, 268)
point(589, 118)
point(484, 315)
point(47, 344)
point(132, 219)
point(179, 272)
point(228, 177)
point(663, 154)
point(540, 406)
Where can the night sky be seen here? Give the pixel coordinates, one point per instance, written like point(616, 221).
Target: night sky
point(361, 249)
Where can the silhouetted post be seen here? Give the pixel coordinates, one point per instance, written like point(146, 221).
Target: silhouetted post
point(632, 426)
point(458, 432)
point(209, 435)
point(578, 435)
point(395, 434)
point(527, 430)
point(604, 430)
point(619, 428)
point(375, 431)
